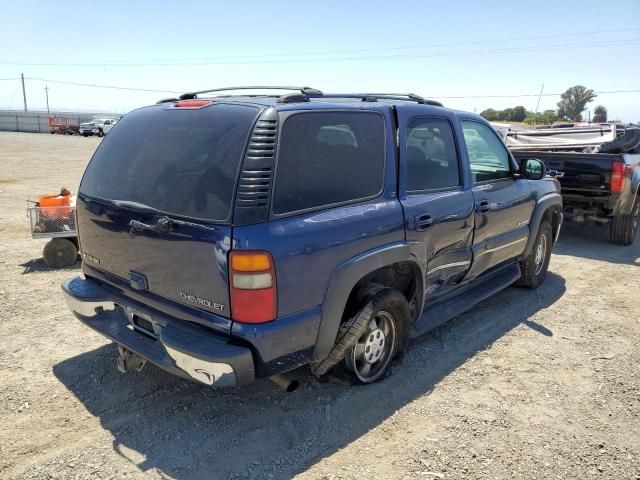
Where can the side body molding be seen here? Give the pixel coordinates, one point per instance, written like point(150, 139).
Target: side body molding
point(345, 278)
point(543, 204)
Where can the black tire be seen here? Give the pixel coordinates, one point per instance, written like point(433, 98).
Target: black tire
point(85, 134)
point(100, 133)
point(624, 227)
point(387, 306)
point(626, 143)
point(60, 252)
point(534, 267)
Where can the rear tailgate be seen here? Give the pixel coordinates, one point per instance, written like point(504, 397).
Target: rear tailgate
point(583, 172)
point(155, 202)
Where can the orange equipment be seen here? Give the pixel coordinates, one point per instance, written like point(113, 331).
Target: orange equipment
point(50, 204)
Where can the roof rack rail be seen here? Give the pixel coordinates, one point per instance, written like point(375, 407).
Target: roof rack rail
point(372, 97)
point(303, 90)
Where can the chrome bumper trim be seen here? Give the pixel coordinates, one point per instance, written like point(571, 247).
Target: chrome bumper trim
point(209, 373)
point(86, 308)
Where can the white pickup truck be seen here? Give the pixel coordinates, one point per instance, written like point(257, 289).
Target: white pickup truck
point(97, 126)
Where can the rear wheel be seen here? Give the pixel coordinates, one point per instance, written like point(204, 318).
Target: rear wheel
point(534, 266)
point(624, 227)
point(381, 328)
point(60, 252)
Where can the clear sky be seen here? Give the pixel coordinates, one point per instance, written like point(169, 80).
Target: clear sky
point(433, 48)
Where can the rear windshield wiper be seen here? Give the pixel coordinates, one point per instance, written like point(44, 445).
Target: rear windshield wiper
point(164, 223)
point(136, 206)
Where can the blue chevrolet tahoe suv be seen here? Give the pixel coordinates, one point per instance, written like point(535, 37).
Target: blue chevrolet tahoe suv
point(226, 238)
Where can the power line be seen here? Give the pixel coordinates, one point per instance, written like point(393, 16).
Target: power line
point(113, 87)
point(245, 60)
point(333, 52)
point(532, 94)
point(431, 96)
point(7, 79)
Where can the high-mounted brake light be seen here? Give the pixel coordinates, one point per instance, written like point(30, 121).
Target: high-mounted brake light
point(617, 177)
point(252, 283)
point(192, 103)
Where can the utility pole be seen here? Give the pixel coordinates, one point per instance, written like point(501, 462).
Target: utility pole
point(24, 93)
point(539, 97)
point(46, 91)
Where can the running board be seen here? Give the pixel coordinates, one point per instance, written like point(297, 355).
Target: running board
point(459, 302)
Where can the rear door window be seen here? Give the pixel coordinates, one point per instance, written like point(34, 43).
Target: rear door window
point(328, 158)
point(181, 162)
point(432, 160)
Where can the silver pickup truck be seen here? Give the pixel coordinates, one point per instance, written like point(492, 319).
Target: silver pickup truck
point(98, 126)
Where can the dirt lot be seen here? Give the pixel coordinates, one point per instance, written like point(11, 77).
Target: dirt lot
point(532, 384)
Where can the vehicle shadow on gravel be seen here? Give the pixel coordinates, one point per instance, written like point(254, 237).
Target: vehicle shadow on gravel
point(37, 265)
point(588, 240)
point(188, 431)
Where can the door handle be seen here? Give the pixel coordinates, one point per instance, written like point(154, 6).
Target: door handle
point(423, 221)
point(483, 206)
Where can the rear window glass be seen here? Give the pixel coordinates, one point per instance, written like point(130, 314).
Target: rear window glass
point(182, 162)
point(327, 158)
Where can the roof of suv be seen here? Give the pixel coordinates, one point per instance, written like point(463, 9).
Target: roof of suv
point(309, 98)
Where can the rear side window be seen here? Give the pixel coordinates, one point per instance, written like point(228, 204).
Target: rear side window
point(327, 158)
point(181, 162)
point(432, 160)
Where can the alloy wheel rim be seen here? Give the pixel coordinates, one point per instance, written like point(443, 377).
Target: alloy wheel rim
point(372, 353)
point(541, 253)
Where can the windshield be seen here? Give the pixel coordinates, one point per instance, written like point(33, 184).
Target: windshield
point(180, 162)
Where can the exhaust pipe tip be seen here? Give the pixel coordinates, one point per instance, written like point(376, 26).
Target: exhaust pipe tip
point(284, 382)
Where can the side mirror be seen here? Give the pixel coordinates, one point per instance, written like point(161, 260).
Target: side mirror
point(533, 169)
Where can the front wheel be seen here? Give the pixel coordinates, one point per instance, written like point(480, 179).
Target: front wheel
point(100, 133)
point(535, 265)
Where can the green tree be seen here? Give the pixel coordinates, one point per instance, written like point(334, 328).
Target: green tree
point(573, 102)
point(545, 118)
point(518, 113)
point(550, 116)
point(506, 114)
point(490, 114)
point(600, 114)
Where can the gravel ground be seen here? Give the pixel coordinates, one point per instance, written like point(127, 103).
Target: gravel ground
point(531, 384)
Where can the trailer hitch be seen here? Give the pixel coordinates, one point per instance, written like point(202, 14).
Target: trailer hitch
point(127, 360)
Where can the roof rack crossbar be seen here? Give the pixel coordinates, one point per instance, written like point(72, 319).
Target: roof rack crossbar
point(383, 96)
point(308, 92)
point(303, 90)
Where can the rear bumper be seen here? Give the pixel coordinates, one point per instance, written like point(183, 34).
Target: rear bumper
point(179, 347)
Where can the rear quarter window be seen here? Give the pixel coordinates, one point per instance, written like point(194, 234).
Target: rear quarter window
point(181, 162)
point(328, 158)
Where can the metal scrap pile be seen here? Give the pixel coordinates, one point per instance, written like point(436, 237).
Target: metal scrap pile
point(604, 138)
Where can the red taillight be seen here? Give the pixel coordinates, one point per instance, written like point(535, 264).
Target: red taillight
point(252, 283)
point(617, 176)
point(192, 103)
